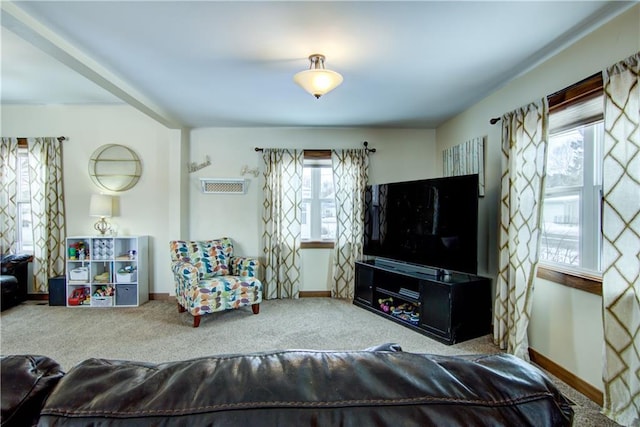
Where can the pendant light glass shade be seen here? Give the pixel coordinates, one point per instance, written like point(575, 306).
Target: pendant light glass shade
point(317, 80)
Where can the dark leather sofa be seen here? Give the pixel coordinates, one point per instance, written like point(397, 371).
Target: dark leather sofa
point(382, 386)
point(13, 279)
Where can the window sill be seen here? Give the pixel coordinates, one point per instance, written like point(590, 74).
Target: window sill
point(316, 245)
point(586, 283)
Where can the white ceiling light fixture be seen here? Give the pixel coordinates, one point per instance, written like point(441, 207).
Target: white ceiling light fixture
point(317, 80)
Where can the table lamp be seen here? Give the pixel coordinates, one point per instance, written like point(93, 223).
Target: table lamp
point(100, 206)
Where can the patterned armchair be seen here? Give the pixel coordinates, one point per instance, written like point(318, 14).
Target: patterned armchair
point(209, 278)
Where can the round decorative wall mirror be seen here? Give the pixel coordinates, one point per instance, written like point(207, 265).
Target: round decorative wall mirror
point(115, 167)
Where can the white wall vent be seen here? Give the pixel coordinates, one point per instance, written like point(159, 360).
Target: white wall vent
point(223, 185)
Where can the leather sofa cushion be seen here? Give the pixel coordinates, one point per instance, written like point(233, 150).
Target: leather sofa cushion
point(25, 382)
point(377, 387)
point(8, 262)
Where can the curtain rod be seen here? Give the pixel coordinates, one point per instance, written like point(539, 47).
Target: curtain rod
point(23, 140)
point(366, 147)
point(494, 120)
point(60, 138)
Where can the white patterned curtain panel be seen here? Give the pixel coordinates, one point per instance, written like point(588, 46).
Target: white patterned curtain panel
point(44, 159)
point(621, 242)
point(282, 222)
point(465, 159)
point(47, 210)
point(8, 192)
point(350, 176)
point(524, 149)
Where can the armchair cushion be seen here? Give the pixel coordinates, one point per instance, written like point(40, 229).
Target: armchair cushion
point(225, 293)
point(210, 257)
point(244, 266)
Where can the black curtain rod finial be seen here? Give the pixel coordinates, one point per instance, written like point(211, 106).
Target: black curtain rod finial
point(494, 120)
point(366, 147)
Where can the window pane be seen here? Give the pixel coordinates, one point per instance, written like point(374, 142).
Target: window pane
point(561, 229)
point(23, 177)
point(306, 221)
point(328, 229)
point(326, 183)
point(565, 159)
point(306, 183)
point(25, 231)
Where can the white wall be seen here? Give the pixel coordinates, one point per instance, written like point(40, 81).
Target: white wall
point(167, 202)
point(567, 325)
point(144, 209)
point(613, 42)
point(401, 154)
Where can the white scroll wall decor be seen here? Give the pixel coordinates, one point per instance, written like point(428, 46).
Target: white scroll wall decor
point(466, 159)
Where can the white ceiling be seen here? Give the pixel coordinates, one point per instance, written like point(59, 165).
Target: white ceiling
point(212, 63)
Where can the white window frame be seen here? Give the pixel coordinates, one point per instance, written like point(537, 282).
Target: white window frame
point(583, 95)
point(590, 209)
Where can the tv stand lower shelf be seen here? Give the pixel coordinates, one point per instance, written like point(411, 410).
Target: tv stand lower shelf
point(449, 309)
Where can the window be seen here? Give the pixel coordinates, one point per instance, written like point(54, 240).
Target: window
point(23, 202)
point(571, 236)
point(318, 198)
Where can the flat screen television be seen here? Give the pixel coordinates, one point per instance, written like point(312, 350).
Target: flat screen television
point(430, 222)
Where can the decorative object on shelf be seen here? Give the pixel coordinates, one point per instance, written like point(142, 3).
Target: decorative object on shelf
point(80, 296)
point(386, 304)
point(102, 249)
point(103, 277)
point(223, 185)
point(79, 274)
point(100, 206)
point(78, 251)
point(126, 274)
point(245, 170)
point(115, 167)
point(194, 167)
point(104, 291)
point(317, 80)
point(465, 159)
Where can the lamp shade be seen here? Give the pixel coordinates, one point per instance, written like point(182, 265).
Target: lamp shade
point(100, 205)
point(317, 80)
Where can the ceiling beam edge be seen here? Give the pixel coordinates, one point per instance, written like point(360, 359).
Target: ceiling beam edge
point(34, 32)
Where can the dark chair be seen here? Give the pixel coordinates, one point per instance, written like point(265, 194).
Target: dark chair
point(14, 279)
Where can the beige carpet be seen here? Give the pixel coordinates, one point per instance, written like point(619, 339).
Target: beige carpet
point(156, 332)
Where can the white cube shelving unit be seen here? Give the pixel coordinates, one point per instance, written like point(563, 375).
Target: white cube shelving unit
point(104, 271)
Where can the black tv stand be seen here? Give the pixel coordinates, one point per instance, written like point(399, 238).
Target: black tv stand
point(448, 306)
point(408, 267)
